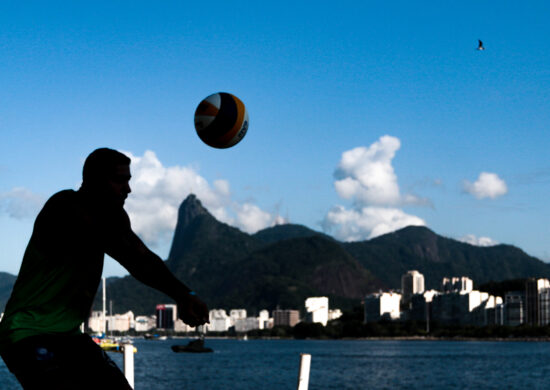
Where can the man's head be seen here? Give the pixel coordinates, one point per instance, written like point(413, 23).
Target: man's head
point(106, 174)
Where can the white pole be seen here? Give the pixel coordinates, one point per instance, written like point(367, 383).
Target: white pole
point(303, 376)
point(103, 319)
point(129, 363)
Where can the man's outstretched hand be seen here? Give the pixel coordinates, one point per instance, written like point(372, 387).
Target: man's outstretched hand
point(192, 310)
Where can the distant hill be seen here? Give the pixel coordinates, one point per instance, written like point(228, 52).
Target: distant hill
point(415, 247)
point(285, 273)
point(282, 265)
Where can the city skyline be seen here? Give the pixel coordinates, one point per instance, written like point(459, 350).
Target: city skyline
point(456, 303)
point(364, 118)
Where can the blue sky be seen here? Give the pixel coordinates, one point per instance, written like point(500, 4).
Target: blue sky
point(364, 116)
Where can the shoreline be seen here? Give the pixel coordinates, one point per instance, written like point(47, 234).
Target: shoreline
point(397, 338)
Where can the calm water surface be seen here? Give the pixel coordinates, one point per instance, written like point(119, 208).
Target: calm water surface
point(360, 364)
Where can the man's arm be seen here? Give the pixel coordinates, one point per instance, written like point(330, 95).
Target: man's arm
point(149, 269)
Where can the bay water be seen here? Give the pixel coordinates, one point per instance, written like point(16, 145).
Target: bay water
point(337, 364)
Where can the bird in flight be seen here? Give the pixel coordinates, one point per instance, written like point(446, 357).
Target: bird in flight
point(480, 45)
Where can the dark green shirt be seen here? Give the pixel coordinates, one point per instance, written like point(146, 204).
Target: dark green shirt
point(62, 266)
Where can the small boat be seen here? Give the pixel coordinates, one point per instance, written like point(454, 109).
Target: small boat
point(109, 345)
point(194, 346)
point(149, 336)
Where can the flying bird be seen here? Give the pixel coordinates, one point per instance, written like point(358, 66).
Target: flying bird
point(480, 45)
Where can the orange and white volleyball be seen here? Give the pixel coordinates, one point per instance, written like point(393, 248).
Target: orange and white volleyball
point(221, 120)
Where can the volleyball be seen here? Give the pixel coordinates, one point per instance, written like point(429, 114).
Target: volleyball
point(221, 120)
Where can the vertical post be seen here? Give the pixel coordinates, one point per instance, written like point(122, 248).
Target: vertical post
point(128, 350)
point(103, 317)
point(427, 317)
point(303, 376)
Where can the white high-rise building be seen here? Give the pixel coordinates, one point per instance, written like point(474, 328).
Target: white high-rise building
point(243, 325)
point(182, 327)
point(144, 323)
point(460, 285)
point(537, 301)
point(263, 319)
point(219, 321)
point(317, 309)
point(121, 322)
point(334, 314)
point(96, 322)
point(236, 314)
point(411, 283)
point(116, 322)
point(380, 305)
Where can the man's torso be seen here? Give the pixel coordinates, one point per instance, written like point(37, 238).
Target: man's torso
point(61, 267)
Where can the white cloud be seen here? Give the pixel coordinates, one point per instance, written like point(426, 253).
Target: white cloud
point(21, 203)
point(367, 222)
point(365, 176)
point(157, 192)
point(488, 185)
point(478, 241)
point(252, 218)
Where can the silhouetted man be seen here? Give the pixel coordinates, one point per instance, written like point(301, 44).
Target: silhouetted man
point(40, 340)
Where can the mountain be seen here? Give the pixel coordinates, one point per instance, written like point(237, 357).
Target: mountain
point(285, 273)
point(415, 247)
point(202, 246)
point(282, 265)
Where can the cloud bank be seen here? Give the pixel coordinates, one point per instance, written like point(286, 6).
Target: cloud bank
point(366, 177)
point(21, 203)
point(367, 222)
point(487, 185)
point(157, 192)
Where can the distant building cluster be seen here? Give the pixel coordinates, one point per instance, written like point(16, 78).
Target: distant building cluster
point(458, 303)
point(455, 303)
point(166, 318)
point(317, 310)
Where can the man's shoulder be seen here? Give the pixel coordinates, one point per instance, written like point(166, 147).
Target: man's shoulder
point(74, 207)
point(61, 199)
point(64, 195)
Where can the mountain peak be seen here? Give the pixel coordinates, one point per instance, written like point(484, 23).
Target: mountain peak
point(408, 233)
point(285, 232)
point(189, 209)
